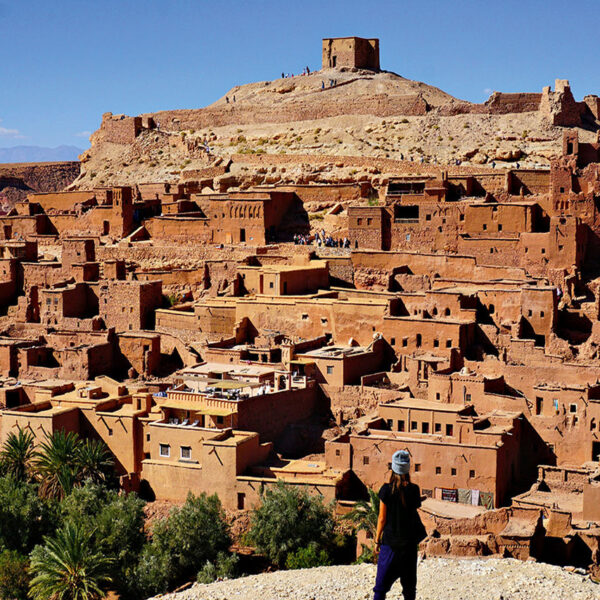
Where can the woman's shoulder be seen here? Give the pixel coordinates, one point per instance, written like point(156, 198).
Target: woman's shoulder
point(384, 491)
point(415, 489)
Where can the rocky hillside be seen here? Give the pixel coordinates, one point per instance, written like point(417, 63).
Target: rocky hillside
point(19, 179)
point(439, 579)
point(343, 112)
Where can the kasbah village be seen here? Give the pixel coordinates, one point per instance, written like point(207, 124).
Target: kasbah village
point(228, 302)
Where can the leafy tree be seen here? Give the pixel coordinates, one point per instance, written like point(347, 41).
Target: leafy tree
point(115, 523)
point(289, 519)
point(17, 454)
point(365, 513)
point(68, 568)
point(94, 462)
point(56, 464)
point(24, 517)
point(14, 576)
point(182, 543)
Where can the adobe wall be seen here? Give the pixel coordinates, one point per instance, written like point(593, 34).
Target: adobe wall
point(61, 201)
point(181, 228)
point(120, 129)
point(380, 105)
point(501, 104)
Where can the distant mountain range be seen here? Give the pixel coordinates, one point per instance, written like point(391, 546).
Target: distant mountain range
point(20, 154)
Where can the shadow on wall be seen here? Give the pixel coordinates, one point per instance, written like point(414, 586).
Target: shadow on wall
point(294, 222)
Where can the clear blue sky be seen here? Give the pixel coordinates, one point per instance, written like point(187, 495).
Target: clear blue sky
point(65, 62)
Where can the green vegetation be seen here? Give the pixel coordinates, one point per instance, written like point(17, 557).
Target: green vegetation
point(306, 558)
point(224, 567)
point(181, 544)
point(287, 520)
point(67, 566)
point(364, 516)
point(14, 575)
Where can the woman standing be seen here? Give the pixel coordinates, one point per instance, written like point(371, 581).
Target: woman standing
point(399, 530)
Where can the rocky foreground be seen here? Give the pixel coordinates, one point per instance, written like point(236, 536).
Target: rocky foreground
point(439, 579)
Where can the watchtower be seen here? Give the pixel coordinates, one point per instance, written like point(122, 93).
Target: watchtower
point(351, 52)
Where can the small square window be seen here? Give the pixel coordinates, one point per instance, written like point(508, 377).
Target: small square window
point(417, 467)
point(147, 437)
point(562, 190)
point(437, 427)
point(428, 217)
point(453, 472)
point(462, 217)
point(369, 221)
point(530, 313)
point(404, 342)
point(484, 226)
point(424, 427)
point(573, 408)
point(449, 429)
point(219, 420)
point(329, 370)
point(338, 452)
point(468, 398)
point(304, 316)
point(437, 395)
point(271, 284)
point(186, 452)
point(472, 473)
point(543, 250)
point(401, 425)
point(448, 343)
point(359, 221)
point(542, 314)
point(365, 460)
point(414, 426)
point(392, 341)
point(436, 343)
point(164, 450)
point(438, 470)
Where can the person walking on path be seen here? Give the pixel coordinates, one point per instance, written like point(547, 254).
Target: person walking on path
point(399, 531)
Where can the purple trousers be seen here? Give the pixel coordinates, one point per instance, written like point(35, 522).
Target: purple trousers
point(396, 564)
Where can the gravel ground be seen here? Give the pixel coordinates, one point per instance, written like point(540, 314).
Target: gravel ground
point(439, 579)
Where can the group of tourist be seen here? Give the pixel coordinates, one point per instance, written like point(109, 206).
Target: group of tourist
point(332, 83)
point(321, 239)
point(305, 71)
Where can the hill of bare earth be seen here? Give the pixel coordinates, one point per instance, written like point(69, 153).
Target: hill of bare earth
point(363, 114)
point(19, 179)
point(439, 579)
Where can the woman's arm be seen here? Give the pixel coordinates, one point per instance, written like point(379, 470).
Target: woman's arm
point(380, 522)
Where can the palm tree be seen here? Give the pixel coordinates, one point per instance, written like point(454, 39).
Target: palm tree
point(365, 514)
point(17, 454)
point(94, 461)
point(56, 464)
point(68, 568)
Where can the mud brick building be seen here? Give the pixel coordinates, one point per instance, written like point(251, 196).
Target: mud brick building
point(351, 52)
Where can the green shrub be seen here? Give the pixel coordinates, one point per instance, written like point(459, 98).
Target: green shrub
point(289, 519)
point(14, 576)
point(224, 567)
point(181, 544)
point(306, 558)
point(24, 517)
point(115, 524)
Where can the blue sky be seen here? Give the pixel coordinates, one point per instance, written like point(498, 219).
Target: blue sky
point(64, 62)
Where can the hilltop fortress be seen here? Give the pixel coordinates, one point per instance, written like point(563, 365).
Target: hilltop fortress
point(250, 316)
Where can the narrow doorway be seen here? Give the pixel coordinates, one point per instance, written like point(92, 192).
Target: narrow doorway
point(242, 235)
